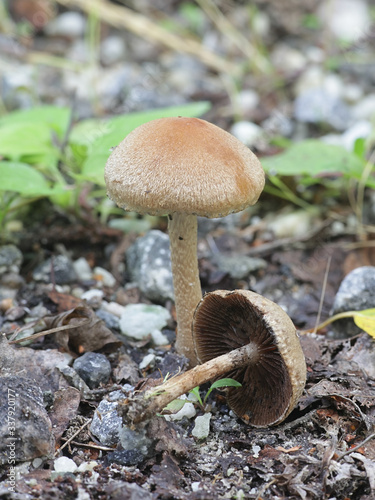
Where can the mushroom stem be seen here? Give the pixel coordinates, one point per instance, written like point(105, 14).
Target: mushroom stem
point(182, 230)
point(176, 386)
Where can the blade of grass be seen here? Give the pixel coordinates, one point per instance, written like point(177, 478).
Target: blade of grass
point(122, 17)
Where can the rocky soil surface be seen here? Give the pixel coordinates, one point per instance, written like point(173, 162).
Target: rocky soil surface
point(108, 296)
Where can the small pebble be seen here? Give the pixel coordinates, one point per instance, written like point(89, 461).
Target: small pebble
point(69, 24)
point(94, 368)
point(106, 423)
point(113, 308)
point(64, 464)
point(188, 411)
point(63, 271)
point(348, 20)
point(147, 361)
point(104, 277)
point(139, 320)
point(10, 259)
point(149, 265)
point(92, 295)
point(250, 134)
point(158, 338)
point(82, 269)
point(135, 440)
point(202, 426)
point(112, 49)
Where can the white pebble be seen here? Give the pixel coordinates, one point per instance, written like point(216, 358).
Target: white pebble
point(188, 410)
point(139, 320)
point(147, 361)
point(104, 276)
point(202, 426)
point(249, 133)
point(159, 338)
point(195, 486)
point(82, 269)
point(70, 24)
point(65, 464)
point(92, 294)
point(113, 308)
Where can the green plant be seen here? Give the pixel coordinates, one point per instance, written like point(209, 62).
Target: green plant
point(44, 153)
point(177, 404)
point(364, 319)
point(313, 162)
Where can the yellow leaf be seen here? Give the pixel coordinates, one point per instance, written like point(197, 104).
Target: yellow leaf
point(366, 320)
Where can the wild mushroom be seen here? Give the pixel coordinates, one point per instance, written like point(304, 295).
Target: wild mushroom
point(244, 336)
point(183, 167)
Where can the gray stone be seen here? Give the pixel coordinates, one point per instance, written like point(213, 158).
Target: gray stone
point(149, 265)
point(318, 105)
point(25, 427)
point(10, 259)
point(63, 271)
point(94, 368)
point(135, 440)
point(356, 292)
point(239, 266)
point(111, 321)
point(106, 423)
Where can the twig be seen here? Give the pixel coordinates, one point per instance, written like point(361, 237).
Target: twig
point(47, 332)
point(322, 294)
point(122, 17)
point(72, 437)
point(348, 452)
point(91, 445)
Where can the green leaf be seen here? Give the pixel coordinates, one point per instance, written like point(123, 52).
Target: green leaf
point(24, 179)
point(314, 158)
point(19, 140)
point(176, 405)
point(112, 132)
point(197, 394)
point(223, 382)
point(53, 117)
point(365, 320)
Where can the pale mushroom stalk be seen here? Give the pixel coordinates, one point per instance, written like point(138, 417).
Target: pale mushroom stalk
point(182, 230)
point(161, 396)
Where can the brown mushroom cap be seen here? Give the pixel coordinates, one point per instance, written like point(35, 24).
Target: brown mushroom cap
point(273, 382)
point(183, 165)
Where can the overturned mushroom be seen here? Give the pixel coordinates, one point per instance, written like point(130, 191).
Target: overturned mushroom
point(244, 336)
point(183, 167)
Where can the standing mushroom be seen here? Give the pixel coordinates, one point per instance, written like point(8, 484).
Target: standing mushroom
point(183, 167)
point(242, 335)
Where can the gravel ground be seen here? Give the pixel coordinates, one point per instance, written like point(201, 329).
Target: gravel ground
point(289, 70)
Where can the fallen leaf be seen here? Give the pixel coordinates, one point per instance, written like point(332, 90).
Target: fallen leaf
point(290, 450)
point(366, 320)
point(64, 301)
point(88, 332)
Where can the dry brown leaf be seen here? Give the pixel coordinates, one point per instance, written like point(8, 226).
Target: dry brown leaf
point(89, 333)
point(64, 301)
